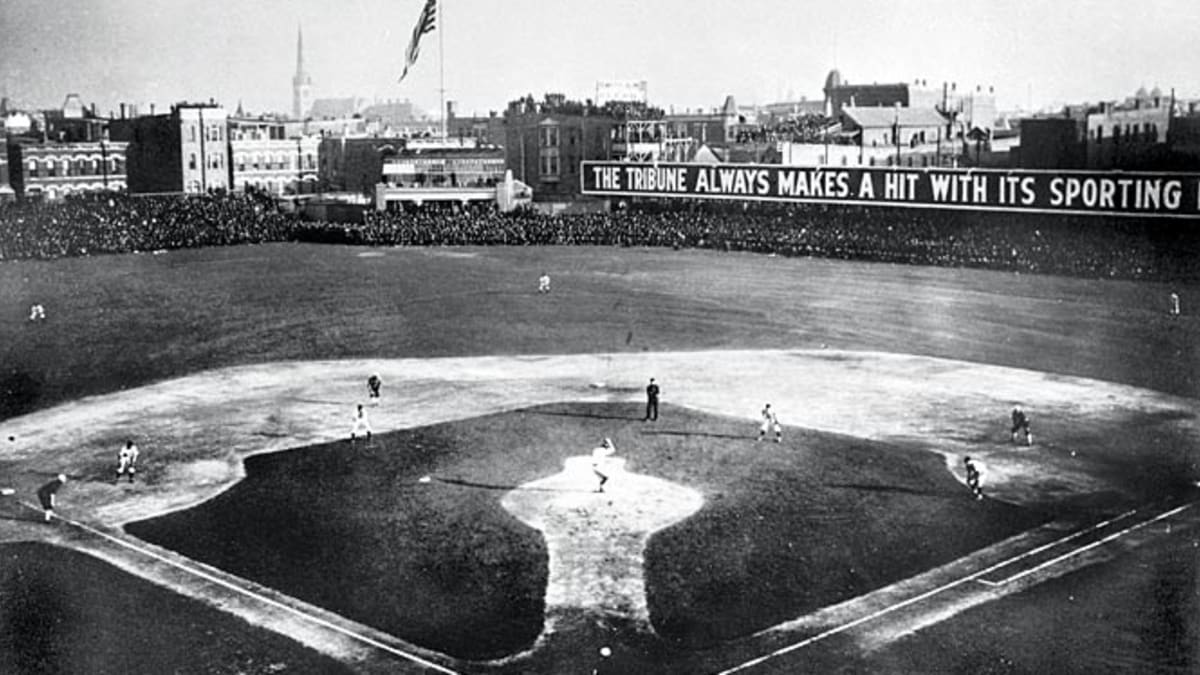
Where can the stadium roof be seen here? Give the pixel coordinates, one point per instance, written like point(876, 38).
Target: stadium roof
point(878, 117)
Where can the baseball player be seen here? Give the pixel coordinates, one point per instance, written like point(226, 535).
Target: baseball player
point(46, 494)
point(1174, 304)
point(651, 402)
point(600, 455)
point(361, 424)
point(127, 461)
point(769, 421)
point(973, 477)
point(544, 283)
point(373, 385)
point(1020, 423)
point(37, 312)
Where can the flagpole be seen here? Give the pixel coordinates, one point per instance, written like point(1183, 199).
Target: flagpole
point(442, 63)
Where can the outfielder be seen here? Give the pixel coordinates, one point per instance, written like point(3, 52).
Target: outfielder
point(544, 283)
point(600, 456)
point(361, 424)
point(127, 461)
point(1020, 423)
point(769, 421)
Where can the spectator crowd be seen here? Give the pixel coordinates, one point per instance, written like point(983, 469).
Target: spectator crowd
point(1037, 243)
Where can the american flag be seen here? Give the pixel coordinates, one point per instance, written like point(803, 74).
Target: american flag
point(425, 24)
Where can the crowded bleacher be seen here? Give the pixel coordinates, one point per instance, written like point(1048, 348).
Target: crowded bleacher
point(1069, 245)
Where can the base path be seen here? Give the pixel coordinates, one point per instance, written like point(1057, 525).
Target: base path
point(195, 432)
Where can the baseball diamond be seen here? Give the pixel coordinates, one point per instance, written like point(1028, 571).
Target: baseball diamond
point(468, 534)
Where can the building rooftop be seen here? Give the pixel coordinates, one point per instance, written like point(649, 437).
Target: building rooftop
point(882, 116)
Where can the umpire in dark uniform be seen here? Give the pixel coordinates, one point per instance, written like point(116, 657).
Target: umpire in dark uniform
point(651, 401)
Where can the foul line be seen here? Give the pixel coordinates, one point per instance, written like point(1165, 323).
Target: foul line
point(1088, 547)
point(928, 594)
point(261, 598)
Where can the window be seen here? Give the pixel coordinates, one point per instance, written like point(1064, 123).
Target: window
point(241, 162)
point(549, 137)
point(192, 161)
point(549, 166)
point(192, 133)
point(33, 168)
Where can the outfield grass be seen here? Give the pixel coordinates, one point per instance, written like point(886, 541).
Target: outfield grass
point(786, 528)
point(66, 612)
point(124, 320)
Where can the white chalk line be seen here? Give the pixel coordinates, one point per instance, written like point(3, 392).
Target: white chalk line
point(256, 596)
point(929, 594)
point(1088, 547)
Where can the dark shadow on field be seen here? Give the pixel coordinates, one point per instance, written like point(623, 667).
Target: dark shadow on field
point(668, 432)
point(866, 487)
point(494, 486)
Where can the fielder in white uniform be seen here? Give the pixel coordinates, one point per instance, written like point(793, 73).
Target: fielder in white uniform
point(127, 461)
point(600, 456)
point(544, 283)
point(361, 424)
point(770, 421)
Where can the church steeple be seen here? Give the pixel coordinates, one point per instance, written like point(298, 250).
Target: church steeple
point(301, 82)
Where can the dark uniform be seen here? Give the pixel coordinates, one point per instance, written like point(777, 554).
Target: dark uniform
point(1020, 423)
point(373, 385)
point(651, 401)
point(973, 478)
point(45, 494)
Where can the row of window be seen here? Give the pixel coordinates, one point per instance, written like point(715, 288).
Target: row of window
point(215, 161)
point(56, 191)
point(272, 162)
point(1148, 132)
point(213, 133)
point(52, 168)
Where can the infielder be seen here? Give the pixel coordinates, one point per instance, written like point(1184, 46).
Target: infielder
point(373, 385)
point(769, 421)
point(600, 456)
point(37, 312)
point(361, 424)
point(973, 477)
point(544, 283)
point(1020, 423)
point(127, 461)
point(45, 494)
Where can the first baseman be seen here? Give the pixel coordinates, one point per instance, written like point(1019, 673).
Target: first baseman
point(45, 494)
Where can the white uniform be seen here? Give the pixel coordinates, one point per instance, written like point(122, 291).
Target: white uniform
point(544, 283)
point(769, 422)
point(1174, 304)
point(600, 456)
point(127, 461)
point(361, 424)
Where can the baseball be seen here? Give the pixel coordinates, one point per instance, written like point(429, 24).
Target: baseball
point(605, 652)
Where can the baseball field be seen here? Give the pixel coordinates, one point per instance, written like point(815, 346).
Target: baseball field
point(467, 535)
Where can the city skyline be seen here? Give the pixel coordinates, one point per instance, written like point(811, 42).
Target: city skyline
point(692, 55)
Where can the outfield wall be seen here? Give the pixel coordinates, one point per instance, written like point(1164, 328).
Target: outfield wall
point(1080, 192)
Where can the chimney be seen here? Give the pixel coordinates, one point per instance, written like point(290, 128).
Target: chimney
point(122, 111)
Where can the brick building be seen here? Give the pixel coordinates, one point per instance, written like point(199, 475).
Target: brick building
point(546, 142)
point(348, 164)
point(49, 170)
point(185, 150)
point(264, 159)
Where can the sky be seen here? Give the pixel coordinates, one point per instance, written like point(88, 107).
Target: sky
point(692, 53)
